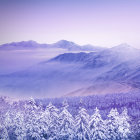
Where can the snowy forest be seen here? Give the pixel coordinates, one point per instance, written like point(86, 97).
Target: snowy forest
point(69, 69)
point(57, 120)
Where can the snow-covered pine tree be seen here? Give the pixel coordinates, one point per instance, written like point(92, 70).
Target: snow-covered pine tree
point(44, 121)
point(136, 129)
point(124, 126)
point(97, 126)
point(65, 104)
point(66, 123)
point(53, 127)
point(9, 123)
point(112, 125)
point(82, 125)
point(3, 133)
point(30, 105)
point(19, 126)
point(31, 120)
point(14, 122)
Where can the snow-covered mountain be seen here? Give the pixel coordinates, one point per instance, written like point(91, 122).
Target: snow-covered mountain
point(20, 55)
point(71, 46)
point(62, 44)
point(23, 45)
point(111, 70)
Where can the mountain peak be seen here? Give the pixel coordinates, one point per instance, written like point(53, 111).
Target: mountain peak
point(30, 42)
point(65, 42)
point(125, 51)
point(123, 46)
point(20, 45)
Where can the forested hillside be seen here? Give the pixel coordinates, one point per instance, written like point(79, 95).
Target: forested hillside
point(110, 117)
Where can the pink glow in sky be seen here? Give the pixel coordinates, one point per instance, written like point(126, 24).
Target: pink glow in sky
point(97, 22)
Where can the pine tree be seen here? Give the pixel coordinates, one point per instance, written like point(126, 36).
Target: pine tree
point(53, 120)
point(66, 123)
point(97, 126)
point(124, 126)
point(44, 121)
point(82, 125)
point(14, 123)
point(31, 120)
point(113, 124)
point(9, 124)
point(19, 126)
point(3, 133)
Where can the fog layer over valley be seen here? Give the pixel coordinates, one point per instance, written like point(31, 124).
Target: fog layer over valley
point(67, 69)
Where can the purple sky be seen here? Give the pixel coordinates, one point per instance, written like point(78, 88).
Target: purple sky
point(97, 22)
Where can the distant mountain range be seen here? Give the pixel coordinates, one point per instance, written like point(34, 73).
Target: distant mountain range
point(102, 71)
point(63, 44)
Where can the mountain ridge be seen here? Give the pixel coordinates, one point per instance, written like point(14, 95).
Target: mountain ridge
point(66, 74)
point(63, 44)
